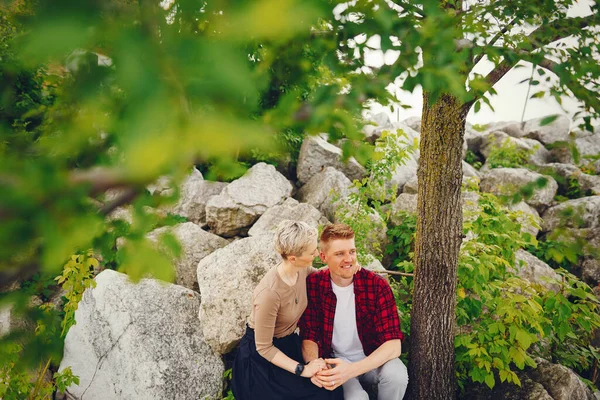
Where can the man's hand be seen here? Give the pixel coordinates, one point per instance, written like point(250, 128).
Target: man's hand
point(336, 375)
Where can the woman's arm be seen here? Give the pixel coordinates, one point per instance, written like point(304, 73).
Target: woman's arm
point(266, 308)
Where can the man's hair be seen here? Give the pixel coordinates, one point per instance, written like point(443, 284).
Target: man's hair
point(292, 238)
point(333, 232)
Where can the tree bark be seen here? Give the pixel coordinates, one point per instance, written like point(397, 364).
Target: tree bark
point(438, 240)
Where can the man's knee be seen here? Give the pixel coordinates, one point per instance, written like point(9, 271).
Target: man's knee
point(353, 390)
point(394, 372)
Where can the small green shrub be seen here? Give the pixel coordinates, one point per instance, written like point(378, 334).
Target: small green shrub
point(508, 155)
point(473, 159)
point(401, 238)
point(391, 150)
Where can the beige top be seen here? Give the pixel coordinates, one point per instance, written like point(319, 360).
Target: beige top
point(275, 312)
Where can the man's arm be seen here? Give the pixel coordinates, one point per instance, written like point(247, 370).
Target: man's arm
point(310, 350)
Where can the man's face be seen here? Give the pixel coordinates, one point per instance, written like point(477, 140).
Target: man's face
point(340, 257)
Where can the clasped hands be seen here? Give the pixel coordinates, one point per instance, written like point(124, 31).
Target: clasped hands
point(330, 373)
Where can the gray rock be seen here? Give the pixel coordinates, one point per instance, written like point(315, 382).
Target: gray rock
point(589, 146)
point(568, 171)
point(590, 271)
point(376, 124)
point(560, 382)
point(412, 186)
point(528, 217)
point(244, 200)
point(227, 279)
point(508, 181)
point(140, 341)
point(531, 268)
point(290, 209)
point(474, 140)
point(413, 123)
point(196, 244)
point(557, 131)
point(586, 212)
point(511, 128)
point(496, 139)
point(195, 193)
point(316, 154)
point(5, 314)
point(405, 202)
point(322, 190)
point(470, 204)
point(469, 171)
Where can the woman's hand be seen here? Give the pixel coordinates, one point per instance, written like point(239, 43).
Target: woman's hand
point(313, 367)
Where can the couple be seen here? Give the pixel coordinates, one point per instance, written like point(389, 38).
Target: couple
point(349, 326)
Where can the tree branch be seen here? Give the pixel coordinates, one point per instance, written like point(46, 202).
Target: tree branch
point(564, 28)
point(125, 198)
point(494, 40)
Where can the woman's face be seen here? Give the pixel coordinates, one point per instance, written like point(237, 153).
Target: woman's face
point(308, 255)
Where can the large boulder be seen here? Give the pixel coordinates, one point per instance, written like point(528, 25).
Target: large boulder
point(413, 123)
point(540, 155)
point(227, 279)
point(528, 217)
point(324, 191)
point(560, 382)
point(547, 382)
point(568, 172)
point(194, 195)
point(412, 186)
point(375, 124)
point(196, 244)
point(244, 200)
point(140, 341)
point(290, 209)
point(557, 131)
point(577, 213)
point(508, 181)
point(316, 154)
point(511, 128)
point(405, 203)
point(531, 268)
point(589, 146)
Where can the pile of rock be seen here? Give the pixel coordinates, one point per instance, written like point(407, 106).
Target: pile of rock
point(159, 340)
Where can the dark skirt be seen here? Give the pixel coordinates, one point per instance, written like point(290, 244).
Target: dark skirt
point(255, 378)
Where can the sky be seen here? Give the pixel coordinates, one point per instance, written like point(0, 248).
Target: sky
point(509, 104)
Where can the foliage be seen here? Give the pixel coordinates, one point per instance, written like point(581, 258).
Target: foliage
point(560, 250)
point(473, 159)
point(480, 127)
point(401, 238)
point(362, 209)
point(508, 155)
point(51, 325)
point(77, 275)
point(501, 317)
point(227, 378)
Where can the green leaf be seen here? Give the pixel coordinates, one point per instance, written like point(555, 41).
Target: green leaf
point(548, 120)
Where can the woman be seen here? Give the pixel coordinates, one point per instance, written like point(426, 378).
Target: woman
point(269, 362)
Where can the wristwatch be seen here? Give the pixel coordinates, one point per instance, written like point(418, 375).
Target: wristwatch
point(299, 369)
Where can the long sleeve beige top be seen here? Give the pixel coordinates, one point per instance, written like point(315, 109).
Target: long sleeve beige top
point(275, 312)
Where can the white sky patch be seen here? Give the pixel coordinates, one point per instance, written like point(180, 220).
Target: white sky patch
point(508, 104)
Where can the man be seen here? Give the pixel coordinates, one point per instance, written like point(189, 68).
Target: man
point(352, 321)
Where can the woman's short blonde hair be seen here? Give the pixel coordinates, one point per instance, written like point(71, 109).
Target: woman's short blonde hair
point(292, 238)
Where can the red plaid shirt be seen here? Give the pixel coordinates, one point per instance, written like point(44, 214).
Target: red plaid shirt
point(376, 313)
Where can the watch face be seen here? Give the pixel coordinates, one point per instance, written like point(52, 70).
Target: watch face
point(299, 369)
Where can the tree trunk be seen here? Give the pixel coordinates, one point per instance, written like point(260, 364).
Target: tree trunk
point(439, 236)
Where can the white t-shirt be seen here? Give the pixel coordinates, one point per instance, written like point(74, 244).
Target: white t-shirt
point(346, 343)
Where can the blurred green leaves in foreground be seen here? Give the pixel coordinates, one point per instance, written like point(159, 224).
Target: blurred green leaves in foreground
point(99, 96)
point(98, 99)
